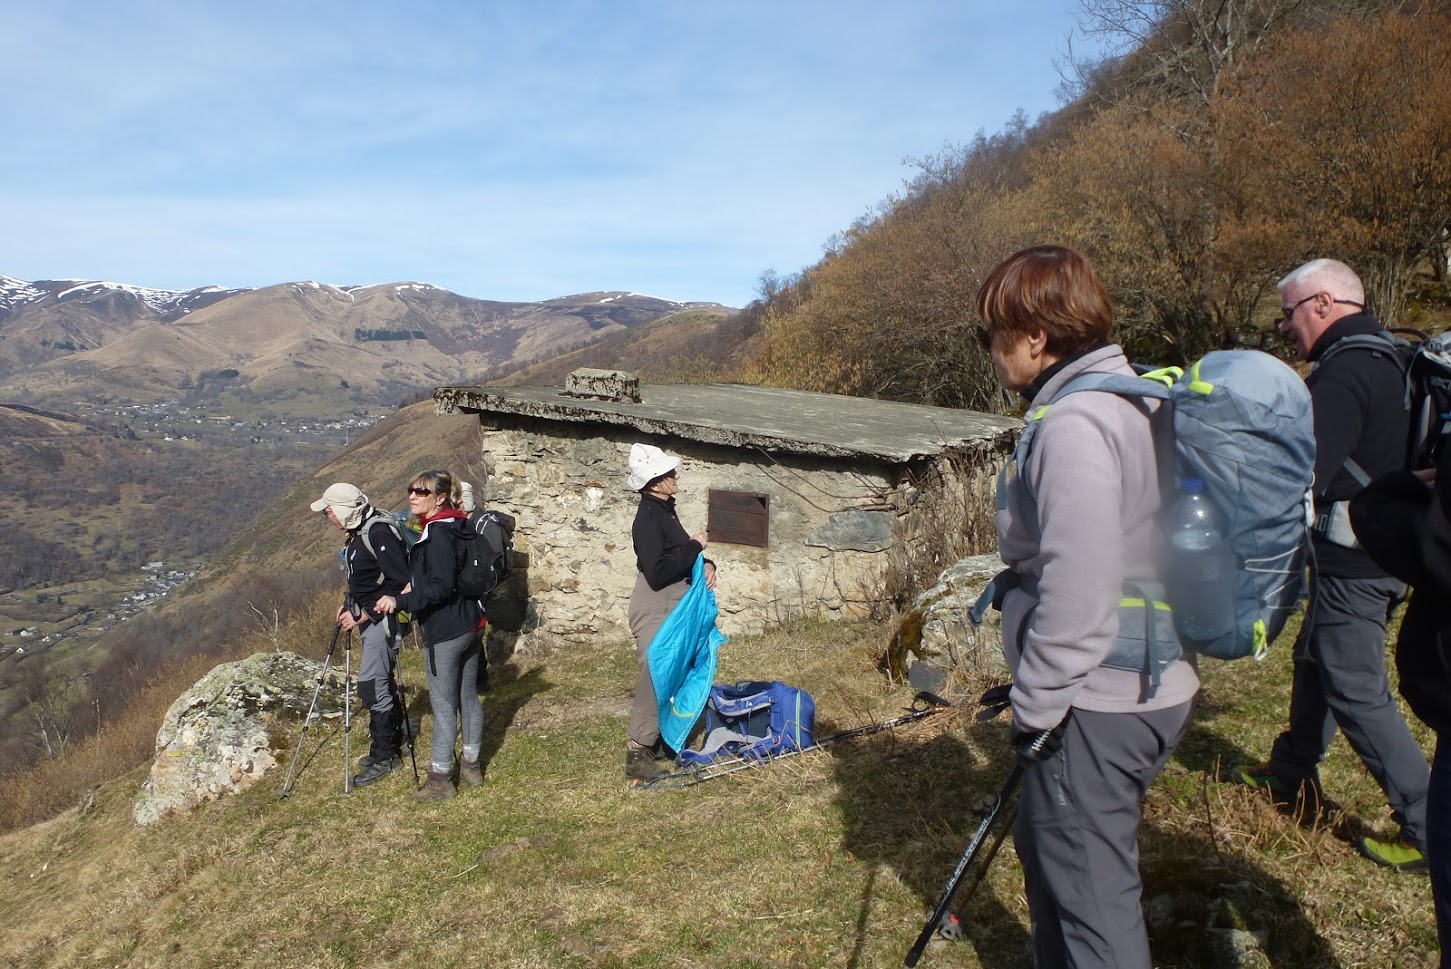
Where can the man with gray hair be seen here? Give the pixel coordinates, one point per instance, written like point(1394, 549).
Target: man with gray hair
point(1357, 389)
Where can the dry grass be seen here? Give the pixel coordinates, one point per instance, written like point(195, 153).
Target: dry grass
point(830, 859)
point(129, 739)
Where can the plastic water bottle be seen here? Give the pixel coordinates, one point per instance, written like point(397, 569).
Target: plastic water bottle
point(1200, 568)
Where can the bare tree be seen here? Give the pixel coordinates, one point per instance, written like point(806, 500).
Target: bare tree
point(1182, 50)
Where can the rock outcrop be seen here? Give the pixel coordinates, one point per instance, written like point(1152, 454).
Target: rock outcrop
point(214, 739)
point(935, 637)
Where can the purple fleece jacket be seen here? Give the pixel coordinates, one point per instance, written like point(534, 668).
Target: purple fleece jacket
point(1093, 472)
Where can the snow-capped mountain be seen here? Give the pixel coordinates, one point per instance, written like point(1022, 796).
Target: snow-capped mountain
point(68, 337)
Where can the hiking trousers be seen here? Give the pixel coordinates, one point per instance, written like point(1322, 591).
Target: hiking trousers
point(452, 670)
point(377, 687)
point(1340, 682)
point(648, 609)
point(1077, 834)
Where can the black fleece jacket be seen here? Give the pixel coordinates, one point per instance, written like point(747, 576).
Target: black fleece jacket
point(1406, 527)
point(1358, 395)
point(441, 612)
point(384, 573)
point(664, 553)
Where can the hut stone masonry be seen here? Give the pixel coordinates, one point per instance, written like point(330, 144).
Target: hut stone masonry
point(808, 496)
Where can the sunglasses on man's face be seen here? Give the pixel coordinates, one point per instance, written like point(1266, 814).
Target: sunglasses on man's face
point(420, 492)
point(984, 338)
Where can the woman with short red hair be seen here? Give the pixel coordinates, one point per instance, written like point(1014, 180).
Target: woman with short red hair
point(1077, 520)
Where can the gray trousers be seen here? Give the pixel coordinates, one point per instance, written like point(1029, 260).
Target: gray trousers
point(375, 669)
point(452, 670)
point(1340, 682)
point(1077, 835)
point(648, 610)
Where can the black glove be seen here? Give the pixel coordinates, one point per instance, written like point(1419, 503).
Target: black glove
point(994, 702)
point(1035, 746)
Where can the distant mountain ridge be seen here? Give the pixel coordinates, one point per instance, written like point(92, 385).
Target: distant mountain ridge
point(78, 339)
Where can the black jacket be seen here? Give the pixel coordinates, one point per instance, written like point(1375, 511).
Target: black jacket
point(434, 602)
point(1406, 527)
point(382, 573)
point(664, 553)
point(1358, 395)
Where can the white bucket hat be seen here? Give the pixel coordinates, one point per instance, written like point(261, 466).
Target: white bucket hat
point(648, 462)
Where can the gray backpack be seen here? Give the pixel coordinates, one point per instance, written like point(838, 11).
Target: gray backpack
point(1243, 425)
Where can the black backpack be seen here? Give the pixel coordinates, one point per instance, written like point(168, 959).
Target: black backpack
point(1426, 364)
point(486, 553)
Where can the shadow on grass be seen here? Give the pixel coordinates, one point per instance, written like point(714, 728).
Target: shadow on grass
point(509, 692)
point(1204, 751)
point(912, 807)
point(503, 692)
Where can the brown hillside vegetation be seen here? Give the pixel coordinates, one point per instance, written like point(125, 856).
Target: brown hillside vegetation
point(1229, 143)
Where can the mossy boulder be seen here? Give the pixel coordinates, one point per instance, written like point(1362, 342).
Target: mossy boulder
point(935, 631)
point(214, 738)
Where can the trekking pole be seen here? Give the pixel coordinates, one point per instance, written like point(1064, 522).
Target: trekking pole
point(307, 720)
point(348, 715)
point(944, 904)
point(951, 926)
point(407, 723)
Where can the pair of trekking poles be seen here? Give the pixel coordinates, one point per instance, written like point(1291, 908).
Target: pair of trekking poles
point(347, 713)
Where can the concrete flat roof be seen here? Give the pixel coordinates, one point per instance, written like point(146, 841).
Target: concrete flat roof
point(739, 415)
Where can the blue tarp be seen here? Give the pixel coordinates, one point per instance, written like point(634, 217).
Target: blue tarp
point(682, 658)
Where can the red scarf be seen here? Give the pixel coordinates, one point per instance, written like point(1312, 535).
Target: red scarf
point(443, 513)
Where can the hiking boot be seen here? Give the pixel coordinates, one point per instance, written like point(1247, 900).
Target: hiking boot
point(380, 768)
point(1399, 853)
point(1305, 799)
point(370, 758)
point(438, 787)
point(1260, 777)
point(641, 766)
point(470, 772)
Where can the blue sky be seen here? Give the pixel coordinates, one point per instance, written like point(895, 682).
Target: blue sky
point(504, 150)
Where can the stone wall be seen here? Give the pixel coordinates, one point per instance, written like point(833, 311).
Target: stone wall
point(833, 525)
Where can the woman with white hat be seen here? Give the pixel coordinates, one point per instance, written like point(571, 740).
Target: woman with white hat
point(665, 556)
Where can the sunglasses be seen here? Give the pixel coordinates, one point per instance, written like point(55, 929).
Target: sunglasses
point(984, 338)
point(1289, 311)
point(420, 492)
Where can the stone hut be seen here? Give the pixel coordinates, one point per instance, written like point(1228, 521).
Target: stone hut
point(815, 503)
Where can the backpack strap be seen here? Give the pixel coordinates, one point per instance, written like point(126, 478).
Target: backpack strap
point(1381, 343)
point(1333, 523)
point(366, 526)
point(1152, 654)
point(1153, 385)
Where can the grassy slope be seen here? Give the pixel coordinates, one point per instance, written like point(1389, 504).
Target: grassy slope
point(826, 860)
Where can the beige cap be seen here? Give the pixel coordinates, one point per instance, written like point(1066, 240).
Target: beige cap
point(343, 498)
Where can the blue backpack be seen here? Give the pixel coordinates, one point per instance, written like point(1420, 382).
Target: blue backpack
point(1243, 425)
point(754, 720)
